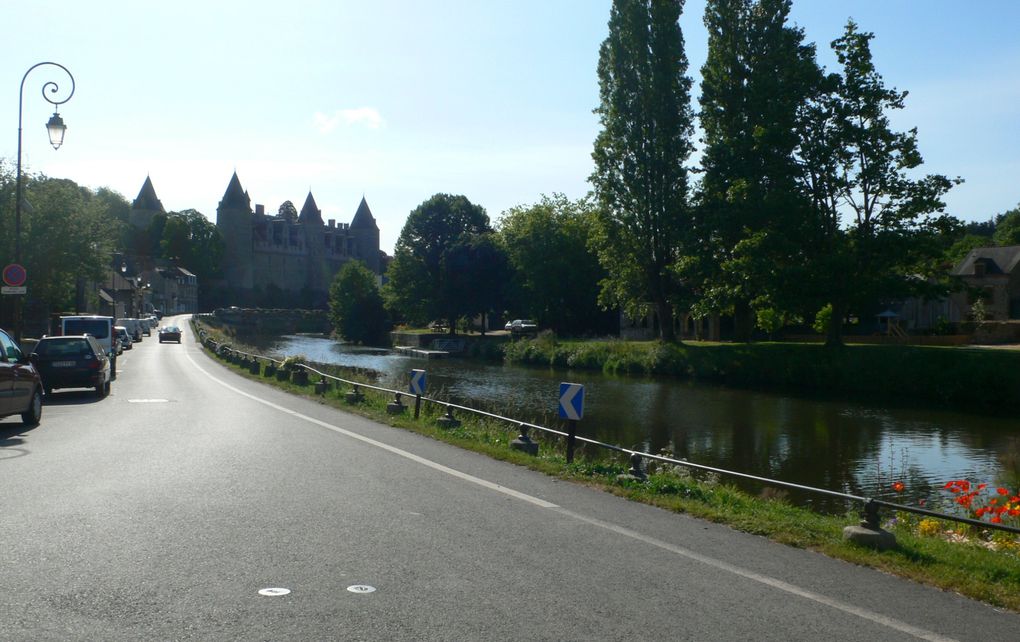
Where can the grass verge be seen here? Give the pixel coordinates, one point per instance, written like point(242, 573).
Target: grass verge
point(930, 554)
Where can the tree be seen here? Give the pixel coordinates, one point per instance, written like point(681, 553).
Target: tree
point(640, 179)
point(193, 242)
point(476, 273)
point(288, 212)
point(1007, 228)
point(757, 76)
point(356, 306)
point(856, 168)
point(555, 276)
point(417, 289)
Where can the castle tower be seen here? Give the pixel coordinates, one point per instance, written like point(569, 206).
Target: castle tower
point(318, 275)
point(366, 237)
point(234, 222)
point(145, 206)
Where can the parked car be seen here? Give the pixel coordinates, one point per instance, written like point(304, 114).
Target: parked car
point(124, 337)
point(101, 329)
point(21, 388)
point(522, 326)
point(72, 362)
point(170, 333)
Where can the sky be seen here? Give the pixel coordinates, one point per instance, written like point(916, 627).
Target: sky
point(397, 100)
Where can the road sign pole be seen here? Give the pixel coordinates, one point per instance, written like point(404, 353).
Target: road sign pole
point(417, 406)
point(571, 438)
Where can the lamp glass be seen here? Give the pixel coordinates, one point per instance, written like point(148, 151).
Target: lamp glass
point(56, 128)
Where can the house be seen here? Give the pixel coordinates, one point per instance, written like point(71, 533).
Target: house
point(993, 274)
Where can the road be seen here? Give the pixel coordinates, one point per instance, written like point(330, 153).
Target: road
point(161, 512)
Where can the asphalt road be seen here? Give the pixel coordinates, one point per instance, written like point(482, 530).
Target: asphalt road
point(162, 511)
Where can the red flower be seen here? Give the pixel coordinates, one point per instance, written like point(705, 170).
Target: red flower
point(1002, 491)
point(898, 487)
point(996, 520)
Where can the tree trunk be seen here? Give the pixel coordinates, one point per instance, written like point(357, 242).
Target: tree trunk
point(665, 313)
point(834, 333)
point(742, 322)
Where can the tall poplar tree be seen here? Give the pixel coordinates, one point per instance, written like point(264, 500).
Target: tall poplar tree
point(757, 76)
point(640, 179)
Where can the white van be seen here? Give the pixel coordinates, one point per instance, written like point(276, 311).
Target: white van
point(99, 327)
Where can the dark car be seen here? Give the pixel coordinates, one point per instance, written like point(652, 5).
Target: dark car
point(20, 385)
point(170, 333)
point(72, 362)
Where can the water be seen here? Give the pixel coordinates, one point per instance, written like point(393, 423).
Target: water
point(856, 448)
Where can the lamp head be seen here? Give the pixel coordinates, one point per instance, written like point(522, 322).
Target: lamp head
point(56, 128)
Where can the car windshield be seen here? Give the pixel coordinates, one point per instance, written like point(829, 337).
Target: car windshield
point(96, 327)
point(69, 346)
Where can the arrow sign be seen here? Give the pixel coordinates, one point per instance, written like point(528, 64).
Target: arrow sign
point(571, 401)
point(417, 382)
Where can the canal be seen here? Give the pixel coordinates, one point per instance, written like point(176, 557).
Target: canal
point(854, 447)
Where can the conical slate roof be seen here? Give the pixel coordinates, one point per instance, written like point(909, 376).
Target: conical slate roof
point(235, 196)
point(147, 199)
point(363, 217)
point(310, 213)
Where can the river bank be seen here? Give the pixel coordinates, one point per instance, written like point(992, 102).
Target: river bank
point(961, 378)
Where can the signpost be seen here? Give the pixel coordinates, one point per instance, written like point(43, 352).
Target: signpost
point(417, 388)
point(571, 409)
point(15, 277)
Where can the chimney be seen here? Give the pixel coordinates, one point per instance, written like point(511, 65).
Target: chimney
point(260, 210)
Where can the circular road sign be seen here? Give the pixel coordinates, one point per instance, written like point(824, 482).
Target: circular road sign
point(15, 275)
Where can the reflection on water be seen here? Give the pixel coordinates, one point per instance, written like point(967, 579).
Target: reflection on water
point(856, 448)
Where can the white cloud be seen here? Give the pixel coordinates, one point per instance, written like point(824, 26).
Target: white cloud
point(361, 116)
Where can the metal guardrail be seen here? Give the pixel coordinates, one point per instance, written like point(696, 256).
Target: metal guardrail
point(870, 504)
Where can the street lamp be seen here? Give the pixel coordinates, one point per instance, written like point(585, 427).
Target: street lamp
point(56, 129)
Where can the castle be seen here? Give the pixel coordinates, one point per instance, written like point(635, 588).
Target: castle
point(279, 253)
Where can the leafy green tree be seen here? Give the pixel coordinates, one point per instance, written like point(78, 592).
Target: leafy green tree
point(356, 306)
point(640, 178)
point(476, 275)
point(67, 236)
point(757, 76)
point(856, 168)
point(193, 242)
point(555, 276)
point(1007, 228)
point(288, 211)
point(417, 290)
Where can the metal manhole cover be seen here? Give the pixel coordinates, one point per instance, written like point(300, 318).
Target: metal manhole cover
point(274, 592)
point(361, 588)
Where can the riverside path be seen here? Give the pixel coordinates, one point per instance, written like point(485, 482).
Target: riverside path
point(193, 504)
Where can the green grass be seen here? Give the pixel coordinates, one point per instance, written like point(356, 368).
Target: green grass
point(969, 569)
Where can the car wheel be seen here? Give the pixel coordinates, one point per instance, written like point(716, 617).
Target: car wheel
point(102, 389)
point(32, 416)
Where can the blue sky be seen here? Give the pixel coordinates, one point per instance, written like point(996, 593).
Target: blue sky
point(396, 100)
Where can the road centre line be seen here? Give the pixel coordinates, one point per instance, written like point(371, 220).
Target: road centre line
point(772, 582)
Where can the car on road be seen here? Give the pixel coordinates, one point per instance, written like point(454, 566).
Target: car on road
point(21, 387)
point(170, 333)
point(124, 337)
point(72, 362)
point(521, 326)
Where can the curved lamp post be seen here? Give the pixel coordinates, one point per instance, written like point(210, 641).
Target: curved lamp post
point(56, 128)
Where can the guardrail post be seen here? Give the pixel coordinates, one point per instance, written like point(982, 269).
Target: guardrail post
point(448, 420)
point(869, 531)
point(524, 443)
point(300, 377)
point(354, 396)
point(256, 367)
point(396, 406)
point(571, 439)
point(321, 386)
point(270, 370)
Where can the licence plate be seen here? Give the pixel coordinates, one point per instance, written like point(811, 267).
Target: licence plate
point(63, 364)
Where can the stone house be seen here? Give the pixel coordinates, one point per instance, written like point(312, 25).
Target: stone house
point(994, 274)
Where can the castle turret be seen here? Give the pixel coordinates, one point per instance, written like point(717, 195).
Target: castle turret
point(234, 221)
point(319, 274)
point(145, 206)
point(366, 237)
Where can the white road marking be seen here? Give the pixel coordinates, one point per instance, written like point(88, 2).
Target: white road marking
point(147, 401)
point(778, 584)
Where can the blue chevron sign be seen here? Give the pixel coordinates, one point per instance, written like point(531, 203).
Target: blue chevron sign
point(571, 401)
point(417, 386)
